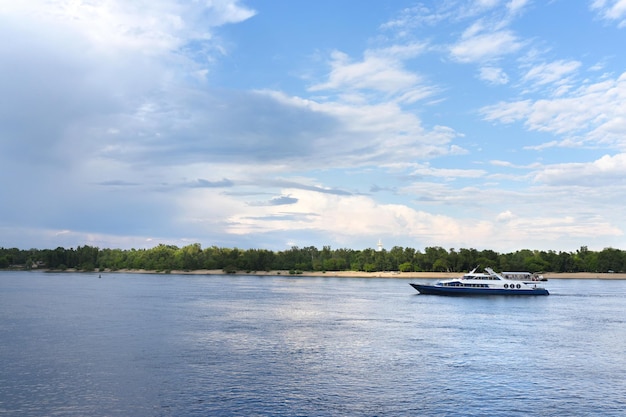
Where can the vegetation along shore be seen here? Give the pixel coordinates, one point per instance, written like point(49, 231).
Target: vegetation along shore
point(352, 274)
point(398, 262)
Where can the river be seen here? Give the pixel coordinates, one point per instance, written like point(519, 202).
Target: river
point(74, 344)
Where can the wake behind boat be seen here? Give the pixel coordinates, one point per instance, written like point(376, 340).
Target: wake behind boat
point(488, 283)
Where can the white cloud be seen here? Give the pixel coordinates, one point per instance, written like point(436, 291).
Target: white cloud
point(381, 70)
point(505, 216)
point(146, 27)
point(477, 46)
point(558, 191)
point(354, 220)
point(494, 75)
point(226, 11)
point(84, 68)
point(606, 172)
point(544, 230)
point(551, 73)
point(613, 10)
point(374, 72)
point(508, 112)
point(413, 17)
point(447, 173)
point(371, 134)
point(515, 6)
point(594, 111)
point(342, 217)
point(487, 4)
point(553, 144)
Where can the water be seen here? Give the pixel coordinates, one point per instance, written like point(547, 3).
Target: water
point(181, 345)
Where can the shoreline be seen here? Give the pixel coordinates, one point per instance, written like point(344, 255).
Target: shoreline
point(352, 274)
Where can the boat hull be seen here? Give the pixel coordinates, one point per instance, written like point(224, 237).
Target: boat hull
point(439, 290)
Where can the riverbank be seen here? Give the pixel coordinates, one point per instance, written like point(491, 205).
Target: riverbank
point(358, 274)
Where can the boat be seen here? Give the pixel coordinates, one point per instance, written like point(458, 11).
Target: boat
point(477, 283)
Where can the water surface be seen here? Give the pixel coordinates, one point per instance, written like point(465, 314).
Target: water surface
point(180, 345)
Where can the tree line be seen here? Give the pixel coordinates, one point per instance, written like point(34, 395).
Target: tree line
point(194, 257)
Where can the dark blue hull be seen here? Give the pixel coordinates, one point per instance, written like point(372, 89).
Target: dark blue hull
point(437, 290)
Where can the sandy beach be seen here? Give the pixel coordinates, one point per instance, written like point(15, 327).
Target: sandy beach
point(394, 274)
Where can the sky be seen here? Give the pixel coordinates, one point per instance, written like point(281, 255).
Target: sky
point(489, 124)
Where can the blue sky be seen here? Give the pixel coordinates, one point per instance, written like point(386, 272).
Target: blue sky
point(269, 124)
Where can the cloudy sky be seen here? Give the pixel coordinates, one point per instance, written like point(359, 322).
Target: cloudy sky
point(489, 124)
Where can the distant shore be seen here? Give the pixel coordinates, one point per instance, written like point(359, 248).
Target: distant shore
point(358, 274)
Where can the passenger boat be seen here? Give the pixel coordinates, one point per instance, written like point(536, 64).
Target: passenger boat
point(487, 283)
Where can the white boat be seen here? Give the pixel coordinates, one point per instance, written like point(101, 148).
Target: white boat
point(476, 283)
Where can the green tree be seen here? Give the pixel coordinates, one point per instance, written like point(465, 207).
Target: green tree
point(406, 267)
point(188, 257)
point(440, 265)
point(432, 255)
point(610, 259)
